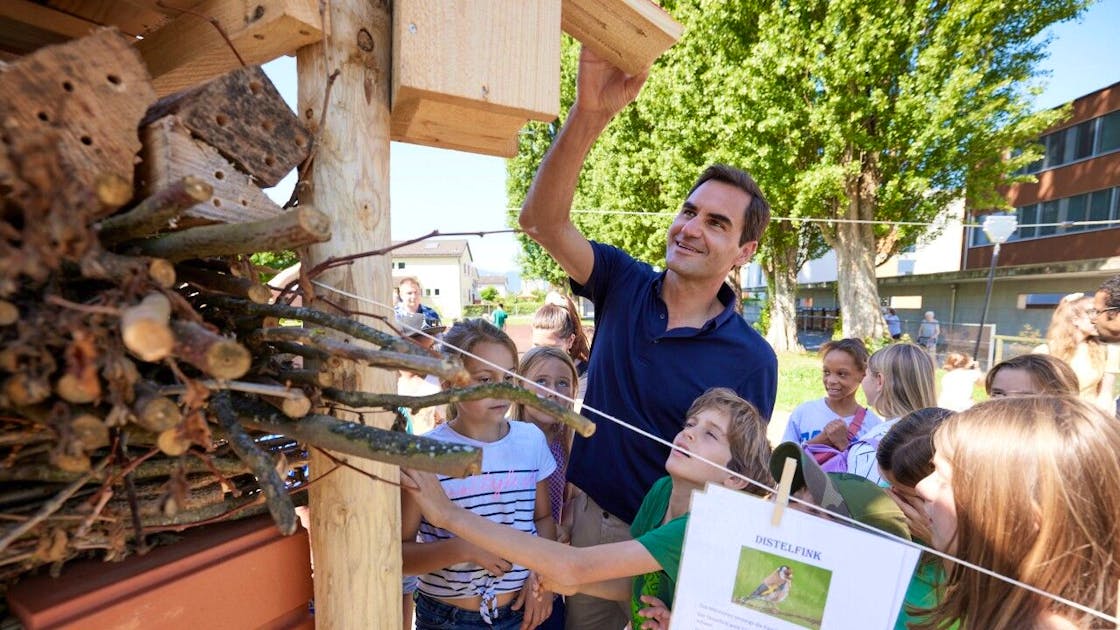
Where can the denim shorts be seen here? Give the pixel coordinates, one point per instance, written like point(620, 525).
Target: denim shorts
point(432, 614)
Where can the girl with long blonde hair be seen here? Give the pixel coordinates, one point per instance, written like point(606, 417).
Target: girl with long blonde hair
point(1025, 487)
point(1072, 337)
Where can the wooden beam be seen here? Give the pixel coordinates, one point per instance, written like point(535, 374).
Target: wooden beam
point(355, 520)
point(451, 126)
point(189, 50)
point(631, 34)
point(135, 17)
point(27, 26)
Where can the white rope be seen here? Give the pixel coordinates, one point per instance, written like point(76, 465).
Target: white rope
point(753, 482)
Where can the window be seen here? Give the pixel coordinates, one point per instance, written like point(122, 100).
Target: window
point(1055, 148)
point(1075, 211)
point(1110, 132)
point(1099, 203)
point(427, 292)
point(1081, 140)
point(399, 265)
point(1028, 216)
point(1039, 300)
point(906, 301)
point(1048, 214)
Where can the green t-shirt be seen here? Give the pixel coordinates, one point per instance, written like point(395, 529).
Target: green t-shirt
point(922, 592)
point(663, 542)
point(500, 318)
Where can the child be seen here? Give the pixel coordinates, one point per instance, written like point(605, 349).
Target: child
point(900, 379)
point(1030, 374)
point(1025, 486)
point(554, 374)
point(461, 585)
point(958, 382)
point(836, 419)
point(720, 427)
point(554, 325)
point(906, 457)
point(1072, 337)
point(552, 370)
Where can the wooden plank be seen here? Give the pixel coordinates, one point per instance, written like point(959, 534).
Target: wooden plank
point(243, 116)
point(170, 153)
point(82, 102)
point(452, 126)
point(631, 34)
point(189, 51)
point(355, 521)
point(26, 26)
point(135, 17)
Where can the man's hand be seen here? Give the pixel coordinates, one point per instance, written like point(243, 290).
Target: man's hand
point(602, 88)
point(656, 614)
point(538, 603)
point(426, 491)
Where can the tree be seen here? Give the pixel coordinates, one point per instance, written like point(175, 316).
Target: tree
point(488, 294)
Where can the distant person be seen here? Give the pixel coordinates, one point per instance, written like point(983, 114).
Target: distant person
point(553, 327)
point(929, 332)
point(900, 379)
point(412, 384)
point(894, 324)
point(1031, 375)
point(499, 316)
point(410, 292)
point(663, 338)
point(959, 381)
point(1072, 337)
point(1106, 310)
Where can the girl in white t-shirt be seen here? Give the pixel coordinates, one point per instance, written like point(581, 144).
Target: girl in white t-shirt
point(899, 380)
point(462, 585)
point(829, 420)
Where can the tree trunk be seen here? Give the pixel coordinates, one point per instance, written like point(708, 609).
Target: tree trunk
point(782, 333)
point(855, 261)
point(355, 522)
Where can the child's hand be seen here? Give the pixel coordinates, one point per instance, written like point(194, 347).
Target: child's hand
point(538, 604)
point(834, 434)
point(656, 614)
point(491, 563)
point(914, 509)
point(425, 489)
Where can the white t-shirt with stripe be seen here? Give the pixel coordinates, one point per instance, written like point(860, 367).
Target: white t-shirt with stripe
point(504, 492)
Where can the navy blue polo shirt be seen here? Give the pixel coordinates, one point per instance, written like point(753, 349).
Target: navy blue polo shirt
point(648, 377)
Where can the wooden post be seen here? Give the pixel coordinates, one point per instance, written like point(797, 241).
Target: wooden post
point(355, 521)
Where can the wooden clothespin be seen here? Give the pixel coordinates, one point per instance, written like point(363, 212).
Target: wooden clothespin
point(784, 485)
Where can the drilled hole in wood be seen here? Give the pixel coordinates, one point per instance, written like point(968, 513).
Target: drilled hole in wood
point(68, 86)
point(258, 36)
point(86, 140)
point(44, 117)
point(267, 125)
point(245, 202)
point(217, 202)
point(114, 79)
point(219, 175)
point(304, 32)
point(300, 142)
point(255, 87)
point(222, 120)
point(269, 160)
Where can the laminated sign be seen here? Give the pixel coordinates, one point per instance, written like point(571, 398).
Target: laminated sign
point(740, 571)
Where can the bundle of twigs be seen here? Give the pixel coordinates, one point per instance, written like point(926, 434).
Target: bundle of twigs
point(145, 384)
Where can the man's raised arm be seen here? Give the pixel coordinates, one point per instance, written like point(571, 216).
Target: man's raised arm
point(602, 91)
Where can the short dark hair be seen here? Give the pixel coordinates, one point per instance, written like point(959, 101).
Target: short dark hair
point(906, 451)
point(850, 346)
point(1112, 288)
point(757, 213)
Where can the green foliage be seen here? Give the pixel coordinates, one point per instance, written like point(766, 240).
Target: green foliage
point(763, 323)
point(489, 294)
point(477, 310)
point(274, 262)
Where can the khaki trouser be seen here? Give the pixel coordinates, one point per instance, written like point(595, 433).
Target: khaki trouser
point(592, 525)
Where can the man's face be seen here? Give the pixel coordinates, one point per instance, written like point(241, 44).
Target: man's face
point(1107, 319)
point(704, 238)
point(410, 296)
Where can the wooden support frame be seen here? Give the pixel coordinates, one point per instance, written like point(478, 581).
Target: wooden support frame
point(631, 34)
point(189, 51)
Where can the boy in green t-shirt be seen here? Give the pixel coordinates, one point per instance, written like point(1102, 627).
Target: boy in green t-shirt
point(500, 316)
point(720, 427)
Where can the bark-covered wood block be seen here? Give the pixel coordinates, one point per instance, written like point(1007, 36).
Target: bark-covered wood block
point(243, 116)
point(170, 153)
point(82, 101)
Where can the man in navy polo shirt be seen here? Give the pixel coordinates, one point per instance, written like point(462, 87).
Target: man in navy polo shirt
point(661, 339)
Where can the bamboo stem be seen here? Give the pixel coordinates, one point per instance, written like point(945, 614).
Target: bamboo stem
point(364, 441)
point(154, 213)
point(299, 227)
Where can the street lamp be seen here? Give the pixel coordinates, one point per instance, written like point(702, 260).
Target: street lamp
point(998, 228)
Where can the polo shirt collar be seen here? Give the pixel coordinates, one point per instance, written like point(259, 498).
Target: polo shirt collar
point(725, 295)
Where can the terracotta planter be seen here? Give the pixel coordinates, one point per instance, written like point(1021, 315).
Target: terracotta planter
point(235, 575)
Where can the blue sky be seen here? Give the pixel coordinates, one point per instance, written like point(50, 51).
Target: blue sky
point(469, 192)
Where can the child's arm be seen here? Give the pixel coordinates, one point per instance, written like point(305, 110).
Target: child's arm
point(560, 564)
point(420, 558)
